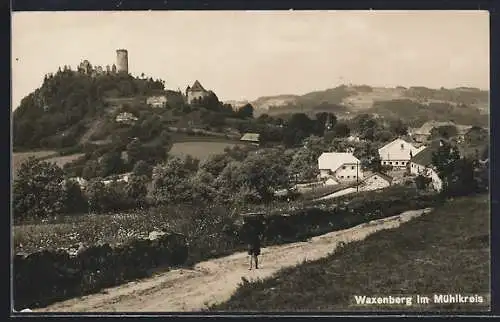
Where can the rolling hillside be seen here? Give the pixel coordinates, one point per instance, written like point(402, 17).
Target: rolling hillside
point(347, 101)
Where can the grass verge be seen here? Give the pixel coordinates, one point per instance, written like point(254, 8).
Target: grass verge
point(445, 252)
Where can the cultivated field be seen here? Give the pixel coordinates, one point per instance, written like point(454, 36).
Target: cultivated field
point(445, 252)
point(365, 100)
point(199, 149)
point(50, 156)
point(62, 160)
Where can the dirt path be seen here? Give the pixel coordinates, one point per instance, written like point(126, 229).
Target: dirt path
point(215, 280)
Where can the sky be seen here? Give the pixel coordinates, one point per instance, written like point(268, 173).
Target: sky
point(242, 55)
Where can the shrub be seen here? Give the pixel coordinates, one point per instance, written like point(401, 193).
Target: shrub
point(74, 199)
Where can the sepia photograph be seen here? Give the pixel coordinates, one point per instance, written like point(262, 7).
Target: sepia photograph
point(250, 161)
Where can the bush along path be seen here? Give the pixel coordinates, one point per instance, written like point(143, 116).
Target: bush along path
point(214, 281)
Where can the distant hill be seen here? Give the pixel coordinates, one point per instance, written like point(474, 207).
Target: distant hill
point(266, 102)
point(407, 103)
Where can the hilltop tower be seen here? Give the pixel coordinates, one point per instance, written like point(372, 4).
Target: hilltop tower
point(122, 60)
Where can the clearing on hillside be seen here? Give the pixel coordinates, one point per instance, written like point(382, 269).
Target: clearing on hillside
point(199, 149)
point(62, 160)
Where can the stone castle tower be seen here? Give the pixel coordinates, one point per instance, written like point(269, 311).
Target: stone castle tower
point(122, 60)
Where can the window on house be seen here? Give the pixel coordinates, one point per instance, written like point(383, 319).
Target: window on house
point(348, 177)
point(396, 162)
point(352, 167)
point(402, 146)
point(390, 162)
point(342, 177)
point(343, 167)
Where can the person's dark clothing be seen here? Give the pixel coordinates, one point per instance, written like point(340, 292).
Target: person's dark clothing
point(254, 245)
point(251, 235)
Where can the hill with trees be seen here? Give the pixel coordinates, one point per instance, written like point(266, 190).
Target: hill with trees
point(58, 113)
point(469, 106)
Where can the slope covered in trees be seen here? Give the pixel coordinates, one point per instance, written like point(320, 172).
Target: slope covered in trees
point(57, 113)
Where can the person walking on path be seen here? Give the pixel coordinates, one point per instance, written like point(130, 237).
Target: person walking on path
point(252, 231)
point(254, 248)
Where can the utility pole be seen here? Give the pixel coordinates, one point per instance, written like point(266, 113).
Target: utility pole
point(357, 176)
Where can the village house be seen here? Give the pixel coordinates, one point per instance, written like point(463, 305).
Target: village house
point(376, 181)
point(462, 130)
point(421, 164)
point(253, 138)
point(353, 138)
point(476, 135)
point(343, 167)
point(161, 99)
point(157, 101)
point(398, 153)
point(78, 180)
point(196, 92)
point(117, 178)
point(423, 134)
point(126, 117)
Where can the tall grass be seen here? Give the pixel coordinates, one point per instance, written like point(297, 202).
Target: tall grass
point(445, 252)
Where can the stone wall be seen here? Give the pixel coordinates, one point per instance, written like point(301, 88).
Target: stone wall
point(47, 276)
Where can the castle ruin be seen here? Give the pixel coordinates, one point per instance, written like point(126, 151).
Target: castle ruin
point(122, 61)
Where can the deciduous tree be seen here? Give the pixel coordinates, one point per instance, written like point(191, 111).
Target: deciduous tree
point(37, 190)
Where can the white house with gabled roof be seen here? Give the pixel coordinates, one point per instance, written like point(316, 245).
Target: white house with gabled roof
point(343, 167)
point(398, 153)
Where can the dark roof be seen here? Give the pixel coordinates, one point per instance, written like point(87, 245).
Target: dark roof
point(197, 86)
point(477, 129)
point(424, 157)
point(382, 175)
point(172, 94)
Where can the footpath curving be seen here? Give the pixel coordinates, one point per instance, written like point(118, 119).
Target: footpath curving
point(214, 281)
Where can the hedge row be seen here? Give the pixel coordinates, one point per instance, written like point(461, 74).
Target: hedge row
point(47, 276)
point(298, 225)
point(314, 221)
